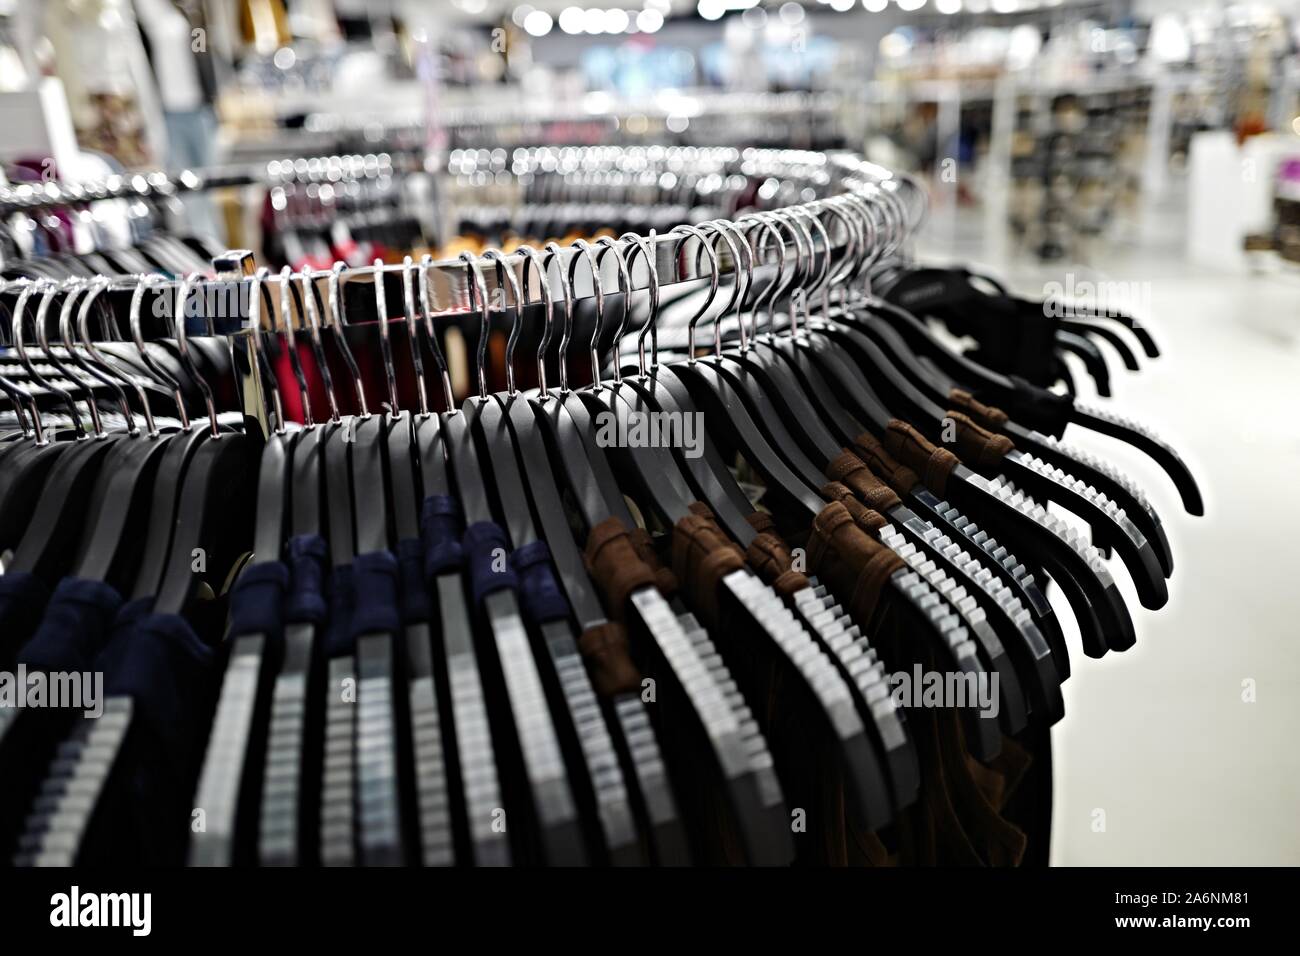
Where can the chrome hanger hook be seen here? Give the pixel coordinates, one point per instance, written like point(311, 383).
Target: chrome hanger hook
point(506, 272)
point(311, 319)
point(598, 290)
point(413, 333)
point(478, 290)
point(137, 298)
point(46, 289)
point(255, 342)
point(183, 344)
point(284, 326)
point(711, 253)
point(71, 290)
point(608, 245)
point(107, 379)
point(566, 288)
point(336, 320)
point(426, 262)
point(644, 246)
point(385, 343)
point(533, 257)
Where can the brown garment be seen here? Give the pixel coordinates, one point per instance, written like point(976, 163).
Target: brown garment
point(771, 558)
point(987, 415)
point(866, 519)
point(978, 447)
point(873, 454)
point(614, 565)
point(851, 471)
point(604, 648)
point(853, 565)
point(644, 544)
point(702, 557)
point(909, 446)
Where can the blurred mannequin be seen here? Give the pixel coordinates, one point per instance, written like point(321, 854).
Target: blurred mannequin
point(177, 52)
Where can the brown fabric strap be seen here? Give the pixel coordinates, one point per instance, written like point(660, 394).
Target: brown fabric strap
point(604, 647)
point(873, 454)
point(871, 582)
point(614, 565)
point(865, 518)
point(644, 544)
point(917, 452)
point(978, 447)
point(989, 416)
point(702, 557)
point(760, 521)
point(848, 469)
point(770, 556)
point(852, 563)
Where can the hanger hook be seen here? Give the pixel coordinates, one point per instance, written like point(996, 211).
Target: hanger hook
point(646, 246)
point(20, 396)
point(478, 290)
point(608, 244)
point(533, 257)
point(711, 253)
point(183, 344)
point(283, 325)
point(802, 213)
point(385, 343)
point(413, 333)
point(722, 230)
point(798, 294)
point(255, 342)
point(775, 288)
point(506, 275)
point(426, 262)
point(598, 289)
point(143, 283)
point(107, 378)
point(46, 289)
point(311, 319)
point(71, 290)
point(336, 320)
point(554, 252)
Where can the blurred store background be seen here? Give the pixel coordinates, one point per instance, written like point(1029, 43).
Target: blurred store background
point(1146, 147)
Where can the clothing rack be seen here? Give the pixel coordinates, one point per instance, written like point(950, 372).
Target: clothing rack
point(157, 184)
point(455, 287)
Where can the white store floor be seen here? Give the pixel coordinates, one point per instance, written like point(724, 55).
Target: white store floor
point(1159, 738)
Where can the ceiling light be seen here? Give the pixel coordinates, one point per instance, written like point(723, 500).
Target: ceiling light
point(712, 9)
point(948, 6)
point(907, 6)
point(649, 20)
point(538, 23)
point(571, 20)
point(521, 14)
point(791, 13)
point(593, 21)
point(615, 20)
point(875, 6)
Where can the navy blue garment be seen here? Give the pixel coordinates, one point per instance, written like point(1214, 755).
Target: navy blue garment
point(339, 641)
point(488, 555)
point(160, 663)
point(306, 603)
point(415, 592)
point(171, 676)
point(257, 600)
point(539, 590)
point(77, 624)
point(22, 601)
point(374, 582)
point(440, 529)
